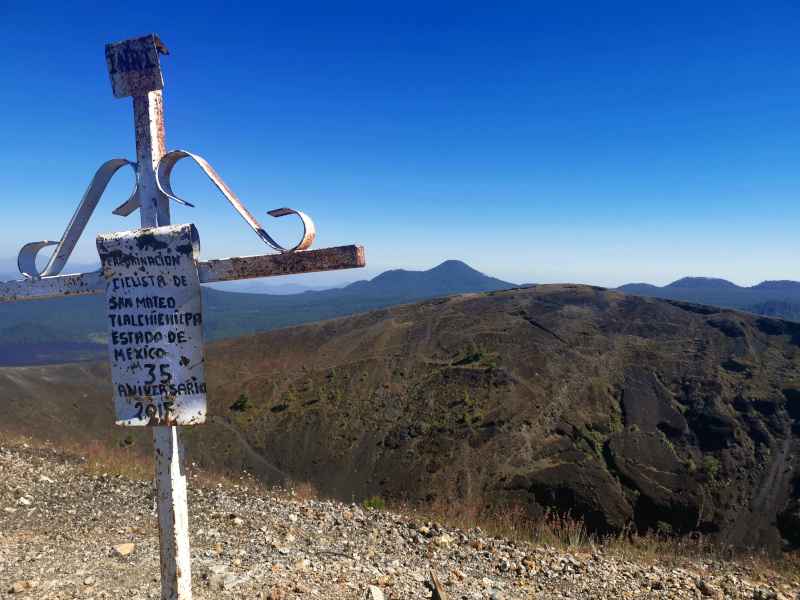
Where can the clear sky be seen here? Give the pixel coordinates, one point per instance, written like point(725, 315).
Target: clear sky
point(600, 142)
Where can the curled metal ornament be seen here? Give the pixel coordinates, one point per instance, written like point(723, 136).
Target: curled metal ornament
point(170, 159)
point(26, 261)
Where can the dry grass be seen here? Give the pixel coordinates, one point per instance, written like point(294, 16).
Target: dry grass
point(557, 530)
point(562, 531)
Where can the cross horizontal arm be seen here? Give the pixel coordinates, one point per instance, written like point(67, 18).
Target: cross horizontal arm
point(224, 269)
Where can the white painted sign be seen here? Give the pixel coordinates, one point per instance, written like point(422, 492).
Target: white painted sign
point(155, 325)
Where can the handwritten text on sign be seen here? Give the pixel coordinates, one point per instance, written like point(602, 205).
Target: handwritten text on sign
point(155, 325)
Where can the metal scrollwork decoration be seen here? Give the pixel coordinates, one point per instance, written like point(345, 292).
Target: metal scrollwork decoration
point(26, 261)
point(170, 159)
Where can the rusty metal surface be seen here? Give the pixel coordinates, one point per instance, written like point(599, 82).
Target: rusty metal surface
point(225, 269)
point(287, 263)
point(170, 159)
point(134, 67)
point(155, 325)
point(173, 514)
point(148, 118)
point(52, 287)
point(27, 256)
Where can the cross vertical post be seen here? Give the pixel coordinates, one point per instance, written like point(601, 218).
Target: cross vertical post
point(148, 116)
point(136, 64)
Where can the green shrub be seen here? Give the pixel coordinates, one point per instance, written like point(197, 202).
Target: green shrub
point(287, 398)
point(243, 403)
point(710, 468)
point(375, 502)
point(474, 354)
point(665, 528)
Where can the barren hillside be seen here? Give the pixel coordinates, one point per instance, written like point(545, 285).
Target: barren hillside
point(624, 410)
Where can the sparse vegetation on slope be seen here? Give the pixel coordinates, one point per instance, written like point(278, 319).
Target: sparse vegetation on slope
point(116, 484)
point(632, 414)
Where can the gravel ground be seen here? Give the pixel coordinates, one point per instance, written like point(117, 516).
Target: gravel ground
point(64, 534)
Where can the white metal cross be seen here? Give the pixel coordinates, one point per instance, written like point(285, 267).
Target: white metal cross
point(135, 71)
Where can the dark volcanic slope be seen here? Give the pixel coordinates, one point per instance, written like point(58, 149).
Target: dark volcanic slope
point(616, 407)
point(619, 408)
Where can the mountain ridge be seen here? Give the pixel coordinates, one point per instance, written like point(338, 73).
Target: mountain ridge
point(82, 319)
point(779, 298)
point(38, 327)
point(624, 411)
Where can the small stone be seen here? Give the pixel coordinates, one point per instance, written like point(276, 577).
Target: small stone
point(17, 587)
point(125, 549)
point(45, 479)
point(88, 581)
point(374, 593)
point(216, 583)
point(230, 581)
point(301, 589)
point(24, 501)
point(706, 588)
point(8, 509)
point(761, 593)
point(277, 594)
point(238, 521)
point(20, 586)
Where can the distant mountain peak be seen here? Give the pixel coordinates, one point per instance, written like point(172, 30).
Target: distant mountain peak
point(702, 282)
point(781, 284)
point(456, 267)
point(453, 264)
point(636, 286)
point(446, 279)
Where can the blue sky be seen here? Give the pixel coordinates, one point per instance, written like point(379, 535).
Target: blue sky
point(590, 142)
